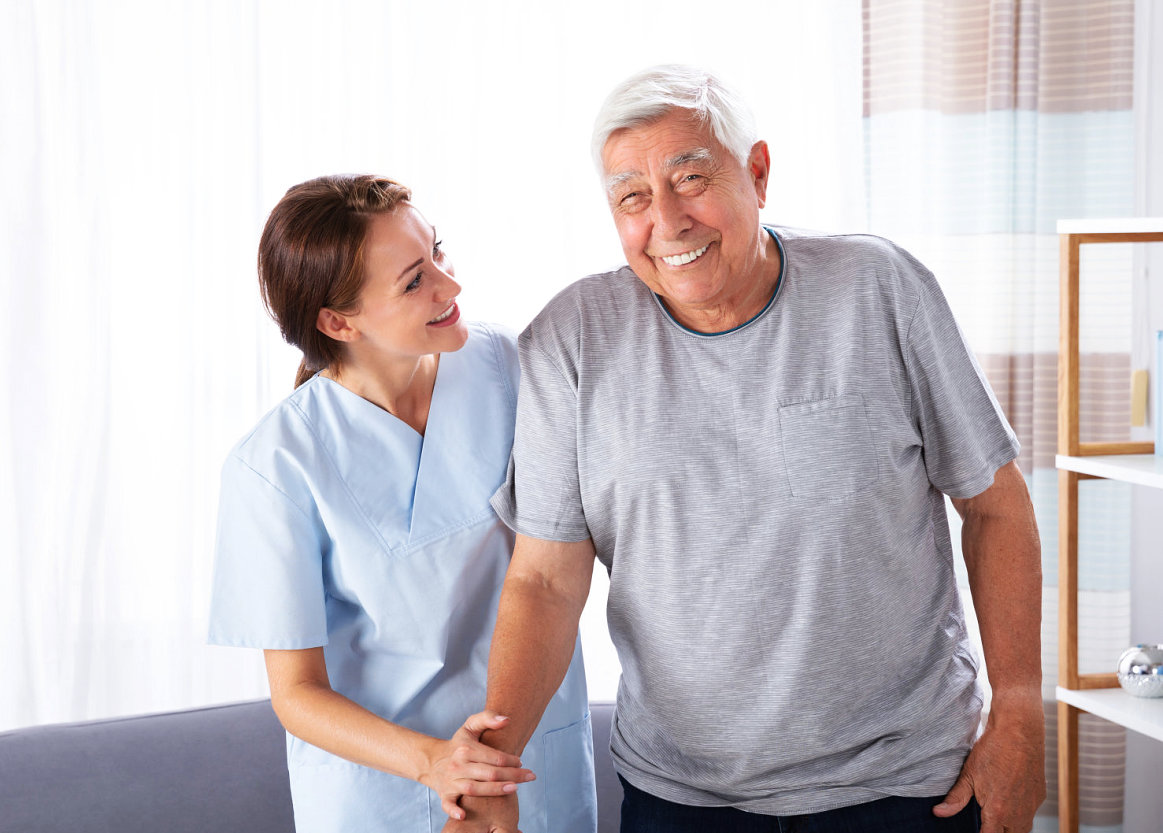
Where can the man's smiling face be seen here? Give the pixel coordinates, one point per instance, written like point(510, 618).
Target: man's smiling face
point(687, 213)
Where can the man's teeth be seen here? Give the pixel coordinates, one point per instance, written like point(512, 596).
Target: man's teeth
point(679, 260)
point(444, 314)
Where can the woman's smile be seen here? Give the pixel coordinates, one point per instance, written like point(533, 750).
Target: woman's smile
point(446, 318)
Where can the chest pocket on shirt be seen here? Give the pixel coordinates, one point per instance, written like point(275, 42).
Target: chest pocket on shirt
point(827, 447)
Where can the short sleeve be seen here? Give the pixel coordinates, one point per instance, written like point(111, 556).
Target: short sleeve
point(965, 435)
point(541, 497)
point(268, 572)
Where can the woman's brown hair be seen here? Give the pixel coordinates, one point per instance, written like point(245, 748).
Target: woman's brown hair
point(311, 256)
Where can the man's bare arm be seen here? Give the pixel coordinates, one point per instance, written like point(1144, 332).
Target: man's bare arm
point(1005, 769)
point(537, 620)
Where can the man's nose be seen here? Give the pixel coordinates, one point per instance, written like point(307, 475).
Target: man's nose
point(670, 216)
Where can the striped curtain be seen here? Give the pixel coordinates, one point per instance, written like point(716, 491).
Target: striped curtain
point(985, 122)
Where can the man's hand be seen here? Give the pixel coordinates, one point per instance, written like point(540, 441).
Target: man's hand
point(1005, 770)
point(486, 815)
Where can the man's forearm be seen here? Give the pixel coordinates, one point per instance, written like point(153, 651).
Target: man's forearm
point(1005, 768)
point(536, 630)
point(1003, 558)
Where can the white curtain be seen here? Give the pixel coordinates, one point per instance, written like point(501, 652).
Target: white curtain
point(143, 144)
point(987, 122)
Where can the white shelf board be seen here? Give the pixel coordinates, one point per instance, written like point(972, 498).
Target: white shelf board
point(1112, 225)
point(1140, 469)
point(1140, 714)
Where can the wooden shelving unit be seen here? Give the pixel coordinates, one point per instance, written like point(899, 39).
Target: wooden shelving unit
point(1137, 463)
point(1114, 704)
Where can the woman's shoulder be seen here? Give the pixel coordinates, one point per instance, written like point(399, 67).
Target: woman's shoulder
point(286, 430)
point(494, 346)
point(490, 335)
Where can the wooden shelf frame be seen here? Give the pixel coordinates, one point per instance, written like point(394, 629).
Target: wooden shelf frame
point(1073, 234)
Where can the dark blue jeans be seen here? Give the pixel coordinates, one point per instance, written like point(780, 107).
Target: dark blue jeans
point(644, 813)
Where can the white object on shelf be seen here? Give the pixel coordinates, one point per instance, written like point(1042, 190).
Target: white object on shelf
point(1140, 469)
point(1140, 714)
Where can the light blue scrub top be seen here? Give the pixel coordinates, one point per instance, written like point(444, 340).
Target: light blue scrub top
point(340, 526)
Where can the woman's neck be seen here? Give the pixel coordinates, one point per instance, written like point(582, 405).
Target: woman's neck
point(404, 389)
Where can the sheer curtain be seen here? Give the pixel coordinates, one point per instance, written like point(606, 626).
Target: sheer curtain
point(144, 143)
point(986, 121)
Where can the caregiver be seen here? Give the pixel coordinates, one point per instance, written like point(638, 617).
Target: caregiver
point(356, 544)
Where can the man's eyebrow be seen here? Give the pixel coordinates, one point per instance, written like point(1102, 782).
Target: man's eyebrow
point(689, 156)
point(614, 181)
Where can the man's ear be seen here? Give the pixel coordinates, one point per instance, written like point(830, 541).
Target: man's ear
point(335, 325)
point(759, 166)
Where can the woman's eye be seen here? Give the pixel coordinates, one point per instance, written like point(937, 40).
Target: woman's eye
point(437, 250)
point(415, 284)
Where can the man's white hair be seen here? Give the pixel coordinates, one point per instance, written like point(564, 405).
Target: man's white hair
point(652, 93)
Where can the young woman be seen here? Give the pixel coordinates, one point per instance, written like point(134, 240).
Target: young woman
point(356, 544)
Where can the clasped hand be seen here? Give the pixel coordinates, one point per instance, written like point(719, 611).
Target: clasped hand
point(462, 765)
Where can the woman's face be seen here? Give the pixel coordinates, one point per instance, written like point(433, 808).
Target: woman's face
point(407, 308)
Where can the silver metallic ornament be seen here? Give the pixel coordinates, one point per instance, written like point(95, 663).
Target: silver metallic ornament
point(1141, 670)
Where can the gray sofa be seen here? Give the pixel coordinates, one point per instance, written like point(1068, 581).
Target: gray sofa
point(219, 768)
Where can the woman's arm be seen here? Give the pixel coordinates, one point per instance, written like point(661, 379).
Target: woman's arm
point(310, 709)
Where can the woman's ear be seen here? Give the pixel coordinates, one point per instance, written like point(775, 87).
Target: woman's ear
point(335, 325)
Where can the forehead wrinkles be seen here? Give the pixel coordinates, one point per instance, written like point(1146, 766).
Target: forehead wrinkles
point(694, 156)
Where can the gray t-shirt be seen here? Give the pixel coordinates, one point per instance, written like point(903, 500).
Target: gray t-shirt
point(768, 503)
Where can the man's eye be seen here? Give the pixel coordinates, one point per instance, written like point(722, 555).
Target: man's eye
point(631, 202)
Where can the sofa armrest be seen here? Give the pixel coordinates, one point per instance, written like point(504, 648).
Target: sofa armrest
point(219, 768)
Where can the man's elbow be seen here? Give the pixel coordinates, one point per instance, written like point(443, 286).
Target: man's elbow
point(552, 575)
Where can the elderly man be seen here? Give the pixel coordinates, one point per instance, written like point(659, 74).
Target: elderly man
point(754, 430)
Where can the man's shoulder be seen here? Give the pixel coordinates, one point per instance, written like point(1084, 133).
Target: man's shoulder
point(841, 244)
point(586, 303)
point(600, 288)
point(859, 258)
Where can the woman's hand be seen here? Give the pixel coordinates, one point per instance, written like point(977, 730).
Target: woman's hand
point(310, 709)
point(462, 765)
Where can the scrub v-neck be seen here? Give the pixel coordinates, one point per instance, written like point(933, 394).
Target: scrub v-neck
point(390, 504)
